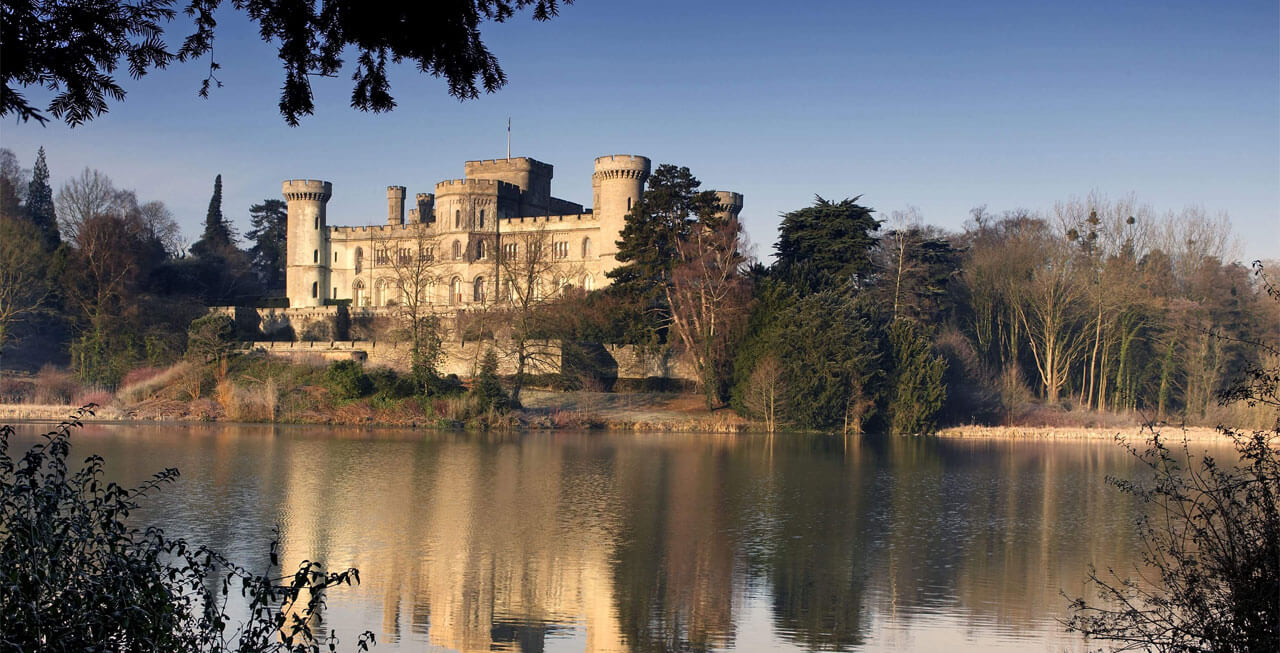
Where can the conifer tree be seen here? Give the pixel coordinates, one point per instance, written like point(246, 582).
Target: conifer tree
point(269, 220)
point(40, 203)
point(217, 236)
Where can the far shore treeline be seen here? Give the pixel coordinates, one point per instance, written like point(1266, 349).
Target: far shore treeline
point(862, 321)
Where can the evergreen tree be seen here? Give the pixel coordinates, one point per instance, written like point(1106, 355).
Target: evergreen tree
point(827, 245)
point(217, 236)
point(488, 389)
point(916, 387)
point(662, 217)
point(40, 204)
point(270, 221)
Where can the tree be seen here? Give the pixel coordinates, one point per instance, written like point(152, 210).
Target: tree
point(915, 385)
point(710, 298)
point(12, 190)
point(917, 266)
point(828, 245)
point(45, 44)
point(1211, 537)
point(83, 197)
point(211, 337)
point(663, 217)
point(533, 278)
point(218, 236)
point(40, 207)
point(23, 274)
point(78, 575)
point(269, 220)
point(488, 390)
point(416, 276)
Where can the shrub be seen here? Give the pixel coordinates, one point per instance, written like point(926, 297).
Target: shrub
point(346, 380)
point(916, 386)
point(210, 338)
point(54, 386)
point(487, 390)
point(78, 577)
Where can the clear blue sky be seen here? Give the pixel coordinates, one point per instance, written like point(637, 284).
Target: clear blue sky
point(939, 105)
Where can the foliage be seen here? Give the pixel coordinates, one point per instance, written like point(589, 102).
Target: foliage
point(218, 236)
point(210, 338)
point(78, 577)
point(916, 386)
point(1211, 536)
point(664, 216)
point(829, 358)
point(40, 208)
point(44, 45)
point(487, 391)
point(23, 273)
point(346, 380)
point(269, 220)
point(827, 245)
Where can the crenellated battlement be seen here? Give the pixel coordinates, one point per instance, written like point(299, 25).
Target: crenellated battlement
point(546, 219)
point(454, 186)
point(307, 189)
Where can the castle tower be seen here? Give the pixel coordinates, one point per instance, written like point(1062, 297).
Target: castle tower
point(395, 205)
point(616, 186)
point(730, 203)
point(307, 242)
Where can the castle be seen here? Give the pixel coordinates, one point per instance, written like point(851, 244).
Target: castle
point(468, 222)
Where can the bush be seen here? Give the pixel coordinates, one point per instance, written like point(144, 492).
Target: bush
point(916, 386)
point(78, 577)
point(346, 380)
point(487, 390)
point(389, 385)
point(210, 338)
point(1211, 534)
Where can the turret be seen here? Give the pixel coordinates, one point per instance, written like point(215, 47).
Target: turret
point(395, 205)
point(426, 208)
point(616, 186)
point(729, 203)
point(307, 242)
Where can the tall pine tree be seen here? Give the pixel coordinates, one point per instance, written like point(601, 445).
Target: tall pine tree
point(40, 204)
point(217, 237)
point(270, 221)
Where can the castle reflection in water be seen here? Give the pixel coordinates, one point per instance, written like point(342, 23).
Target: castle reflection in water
point(638, 543)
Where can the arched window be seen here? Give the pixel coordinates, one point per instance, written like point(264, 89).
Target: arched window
point(588, 283)
point(358, 296)
point(586, 248)
point(482, 252)
point(455, 291)
point(477, 290)
point(482, 218)
point(457, 219)
point(315, 289)
point(457, 250)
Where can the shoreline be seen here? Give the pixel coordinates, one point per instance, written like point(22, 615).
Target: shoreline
point(620, 420)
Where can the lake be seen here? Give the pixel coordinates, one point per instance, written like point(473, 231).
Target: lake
point(640, 542)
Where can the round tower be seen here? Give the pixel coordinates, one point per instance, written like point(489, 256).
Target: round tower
point(616, 185)
point(307, 242)
point(729, 203)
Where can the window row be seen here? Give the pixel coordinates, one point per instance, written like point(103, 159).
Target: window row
point(387, 292)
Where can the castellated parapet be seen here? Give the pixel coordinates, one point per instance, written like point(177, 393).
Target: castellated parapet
point(730, 203)
point(462, 225)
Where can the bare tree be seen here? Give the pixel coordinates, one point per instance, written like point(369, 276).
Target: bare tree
point(763, 395)
point(535, 270)
point(23, 278)
point(83, 197)
point(710, 295)
point(1048, 307)
point(416, 271)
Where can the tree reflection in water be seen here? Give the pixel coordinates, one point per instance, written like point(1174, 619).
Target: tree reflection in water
point(656, 542)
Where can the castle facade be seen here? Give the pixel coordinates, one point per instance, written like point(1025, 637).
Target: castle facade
point(467, 222)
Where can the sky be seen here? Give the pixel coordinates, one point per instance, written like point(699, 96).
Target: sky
point(941, 106)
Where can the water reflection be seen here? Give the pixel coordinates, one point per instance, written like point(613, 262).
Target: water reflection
point(640, 543)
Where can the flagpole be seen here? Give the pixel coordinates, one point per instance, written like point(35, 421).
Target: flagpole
point(508, 137)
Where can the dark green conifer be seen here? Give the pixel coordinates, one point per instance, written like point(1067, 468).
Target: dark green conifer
point(217, 236)
point(40, 204)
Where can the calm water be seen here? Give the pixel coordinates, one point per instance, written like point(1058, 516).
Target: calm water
point(608, 542)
